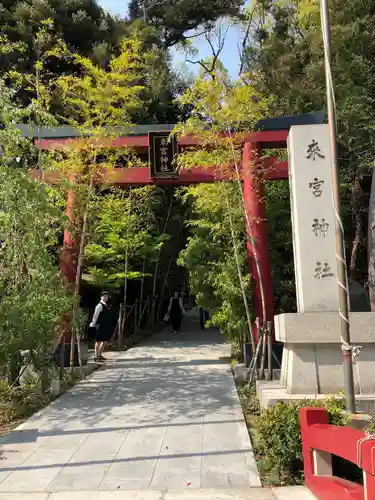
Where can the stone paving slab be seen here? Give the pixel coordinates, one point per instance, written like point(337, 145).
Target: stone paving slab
point(293, 493)
point(286, 493)
point(164, 415)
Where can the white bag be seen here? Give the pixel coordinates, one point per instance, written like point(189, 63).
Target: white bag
point(166, 317)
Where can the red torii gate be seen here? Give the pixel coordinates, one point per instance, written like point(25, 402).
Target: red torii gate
point(255, 170)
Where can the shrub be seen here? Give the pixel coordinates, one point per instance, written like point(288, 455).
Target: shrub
point(280, 438)
point(249, 399)
point(236, 351)
point(17, 403)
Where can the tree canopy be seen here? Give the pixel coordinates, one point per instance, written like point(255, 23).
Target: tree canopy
point(176, 21)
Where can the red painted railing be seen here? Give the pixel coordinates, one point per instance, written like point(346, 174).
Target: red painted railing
point(321, 440)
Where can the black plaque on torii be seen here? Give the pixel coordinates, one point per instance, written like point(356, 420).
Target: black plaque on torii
point(163, 149)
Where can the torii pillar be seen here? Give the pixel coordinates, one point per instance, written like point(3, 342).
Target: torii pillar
point(69, 252)
point(256, 226)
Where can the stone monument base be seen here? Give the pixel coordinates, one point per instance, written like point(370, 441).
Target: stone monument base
point(271, 393)
point(312, 358)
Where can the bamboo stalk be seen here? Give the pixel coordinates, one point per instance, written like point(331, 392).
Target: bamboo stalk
point(77, 283)
point(44, 374)
point(118, 323)
point(126, 316)
point(263, 356)
point(157, 264)
point(249, 229)
point(121, 330)
point(136, 316)
point(238, 265)
point(269, 350)
point(142, 313)
point(254, 361)
point(259, 329)
point(148, 310)
point(142, 286)
point(62, 359)
point(39, 128)
point(163, 287)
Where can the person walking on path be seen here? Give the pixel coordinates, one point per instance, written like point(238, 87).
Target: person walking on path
point(101, 321)
point(203, 317)
point(175, 311)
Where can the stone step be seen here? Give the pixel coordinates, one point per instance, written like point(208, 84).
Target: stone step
point(286, 493)
point(293, 493)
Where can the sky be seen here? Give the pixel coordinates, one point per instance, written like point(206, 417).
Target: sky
point(229, 56)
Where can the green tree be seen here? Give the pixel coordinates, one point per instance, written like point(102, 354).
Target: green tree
point(210, 259)
point(284, 53)
point(280, 243)
point(99, 103)
point(123, 228)
point(82, 24)
point(220, 107)
point(33, 296)
point(35, 30)
point(176, 21)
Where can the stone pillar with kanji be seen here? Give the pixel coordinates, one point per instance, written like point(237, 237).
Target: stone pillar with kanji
point(312, 357)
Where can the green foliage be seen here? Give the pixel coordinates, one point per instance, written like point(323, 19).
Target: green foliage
point(162, 83)
point(123, 226)
point(35, 87)
point(33, 296)
point(221, 105)
point(16, 151)
point(209, 255)
point(98, 97)
point(249, 399)
point(82, 24)
point(17, 403)
point(215, 254)
point(176, 20)
point(98, 102)
point(280, 245)
point(37, 39)
point(284, 58)
point(279, 443)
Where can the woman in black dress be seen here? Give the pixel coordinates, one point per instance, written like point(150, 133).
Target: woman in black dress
point(175, 311)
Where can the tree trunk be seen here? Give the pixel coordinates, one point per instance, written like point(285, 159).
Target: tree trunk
point(120, 337)
point(75, 334)
point(357, 207)
point(356, 244)
point(163, 288)
point(239, 273)
point(62, 359)
point(14, 367)
point(153, 309)
point(44, 377)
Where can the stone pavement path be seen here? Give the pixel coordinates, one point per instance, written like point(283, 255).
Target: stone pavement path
point(162, 416)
